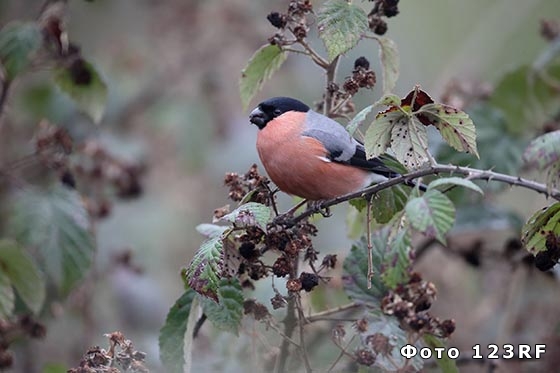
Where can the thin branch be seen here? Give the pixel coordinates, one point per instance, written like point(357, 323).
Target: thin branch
point(472, 173)
point(331, 75)
point(281, 334)
point(323, 314)
point(4, 96)
point(303, 347)
point(314, 55)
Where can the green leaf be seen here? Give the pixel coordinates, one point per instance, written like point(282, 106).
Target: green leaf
point(341, 25)
point(389, 99)
point(454, 125)
point(211, 230)
point(387, 203)
point(526, 98)
point(389, 56)
point(358, 119)
point(206, 268)
point(432, 214)
point(444, 182)
point(355, 269)
point(397, 259)
point(409, 141)
point(499, 150)
point(250, 214)
point(544, 222)
point(22, 273)
point(226, 315)
point(85, 87)
point(18, 44)
point(56, 224)
point(378, 135)
point(7, 296)
point(446, 364)
point(173, 333)
point(543, 151)
point(265, 62)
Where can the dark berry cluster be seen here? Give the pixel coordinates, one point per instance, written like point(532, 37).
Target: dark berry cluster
point(86, 166)
point(382, 8)
point(362, 77)
point(410, 303)
point(11, 330)
point(244, 251)
point(294, 20)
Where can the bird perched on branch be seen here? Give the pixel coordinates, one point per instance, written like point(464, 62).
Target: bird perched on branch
point(309, 155)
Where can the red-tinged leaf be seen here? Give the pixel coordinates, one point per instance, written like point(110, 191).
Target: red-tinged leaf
point(416, 99)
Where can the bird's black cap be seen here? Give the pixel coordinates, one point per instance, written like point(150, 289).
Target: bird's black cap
point(274, 107)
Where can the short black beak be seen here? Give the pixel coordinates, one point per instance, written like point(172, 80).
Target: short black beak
point(258, 118)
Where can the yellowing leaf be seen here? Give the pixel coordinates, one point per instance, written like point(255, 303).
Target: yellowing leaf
point(341, 25)
point(409, 141)
point(378, 134)
point(265, 62)
point(389, 56)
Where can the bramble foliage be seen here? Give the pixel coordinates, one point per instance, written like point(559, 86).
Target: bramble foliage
point(377, 270)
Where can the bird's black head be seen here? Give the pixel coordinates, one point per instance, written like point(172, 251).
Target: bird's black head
point(274, 107)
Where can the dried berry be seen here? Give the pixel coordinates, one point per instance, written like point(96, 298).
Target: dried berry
point(362, 325)
point(365, 357)
point(281, 267)
point(258, 310)
point(300, 32)
point(447, 327)
point(308, 281)
point(277, 20)
point(351, 86)
point(278, 301)
point(550, 29)
point(379, 343)
point(249, 251)
point(329, 261)
point(377, 25)
point(293, 285)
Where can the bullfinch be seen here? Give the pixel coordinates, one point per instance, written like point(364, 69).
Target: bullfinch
point(309, 155)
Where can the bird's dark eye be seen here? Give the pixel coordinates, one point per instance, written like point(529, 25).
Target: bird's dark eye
point(277, 112)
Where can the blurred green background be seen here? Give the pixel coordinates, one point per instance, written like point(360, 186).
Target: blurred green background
point(172, 69)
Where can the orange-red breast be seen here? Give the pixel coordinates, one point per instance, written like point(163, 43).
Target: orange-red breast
point(309, 155)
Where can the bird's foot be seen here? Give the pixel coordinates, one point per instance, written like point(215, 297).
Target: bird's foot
point(316, 207)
